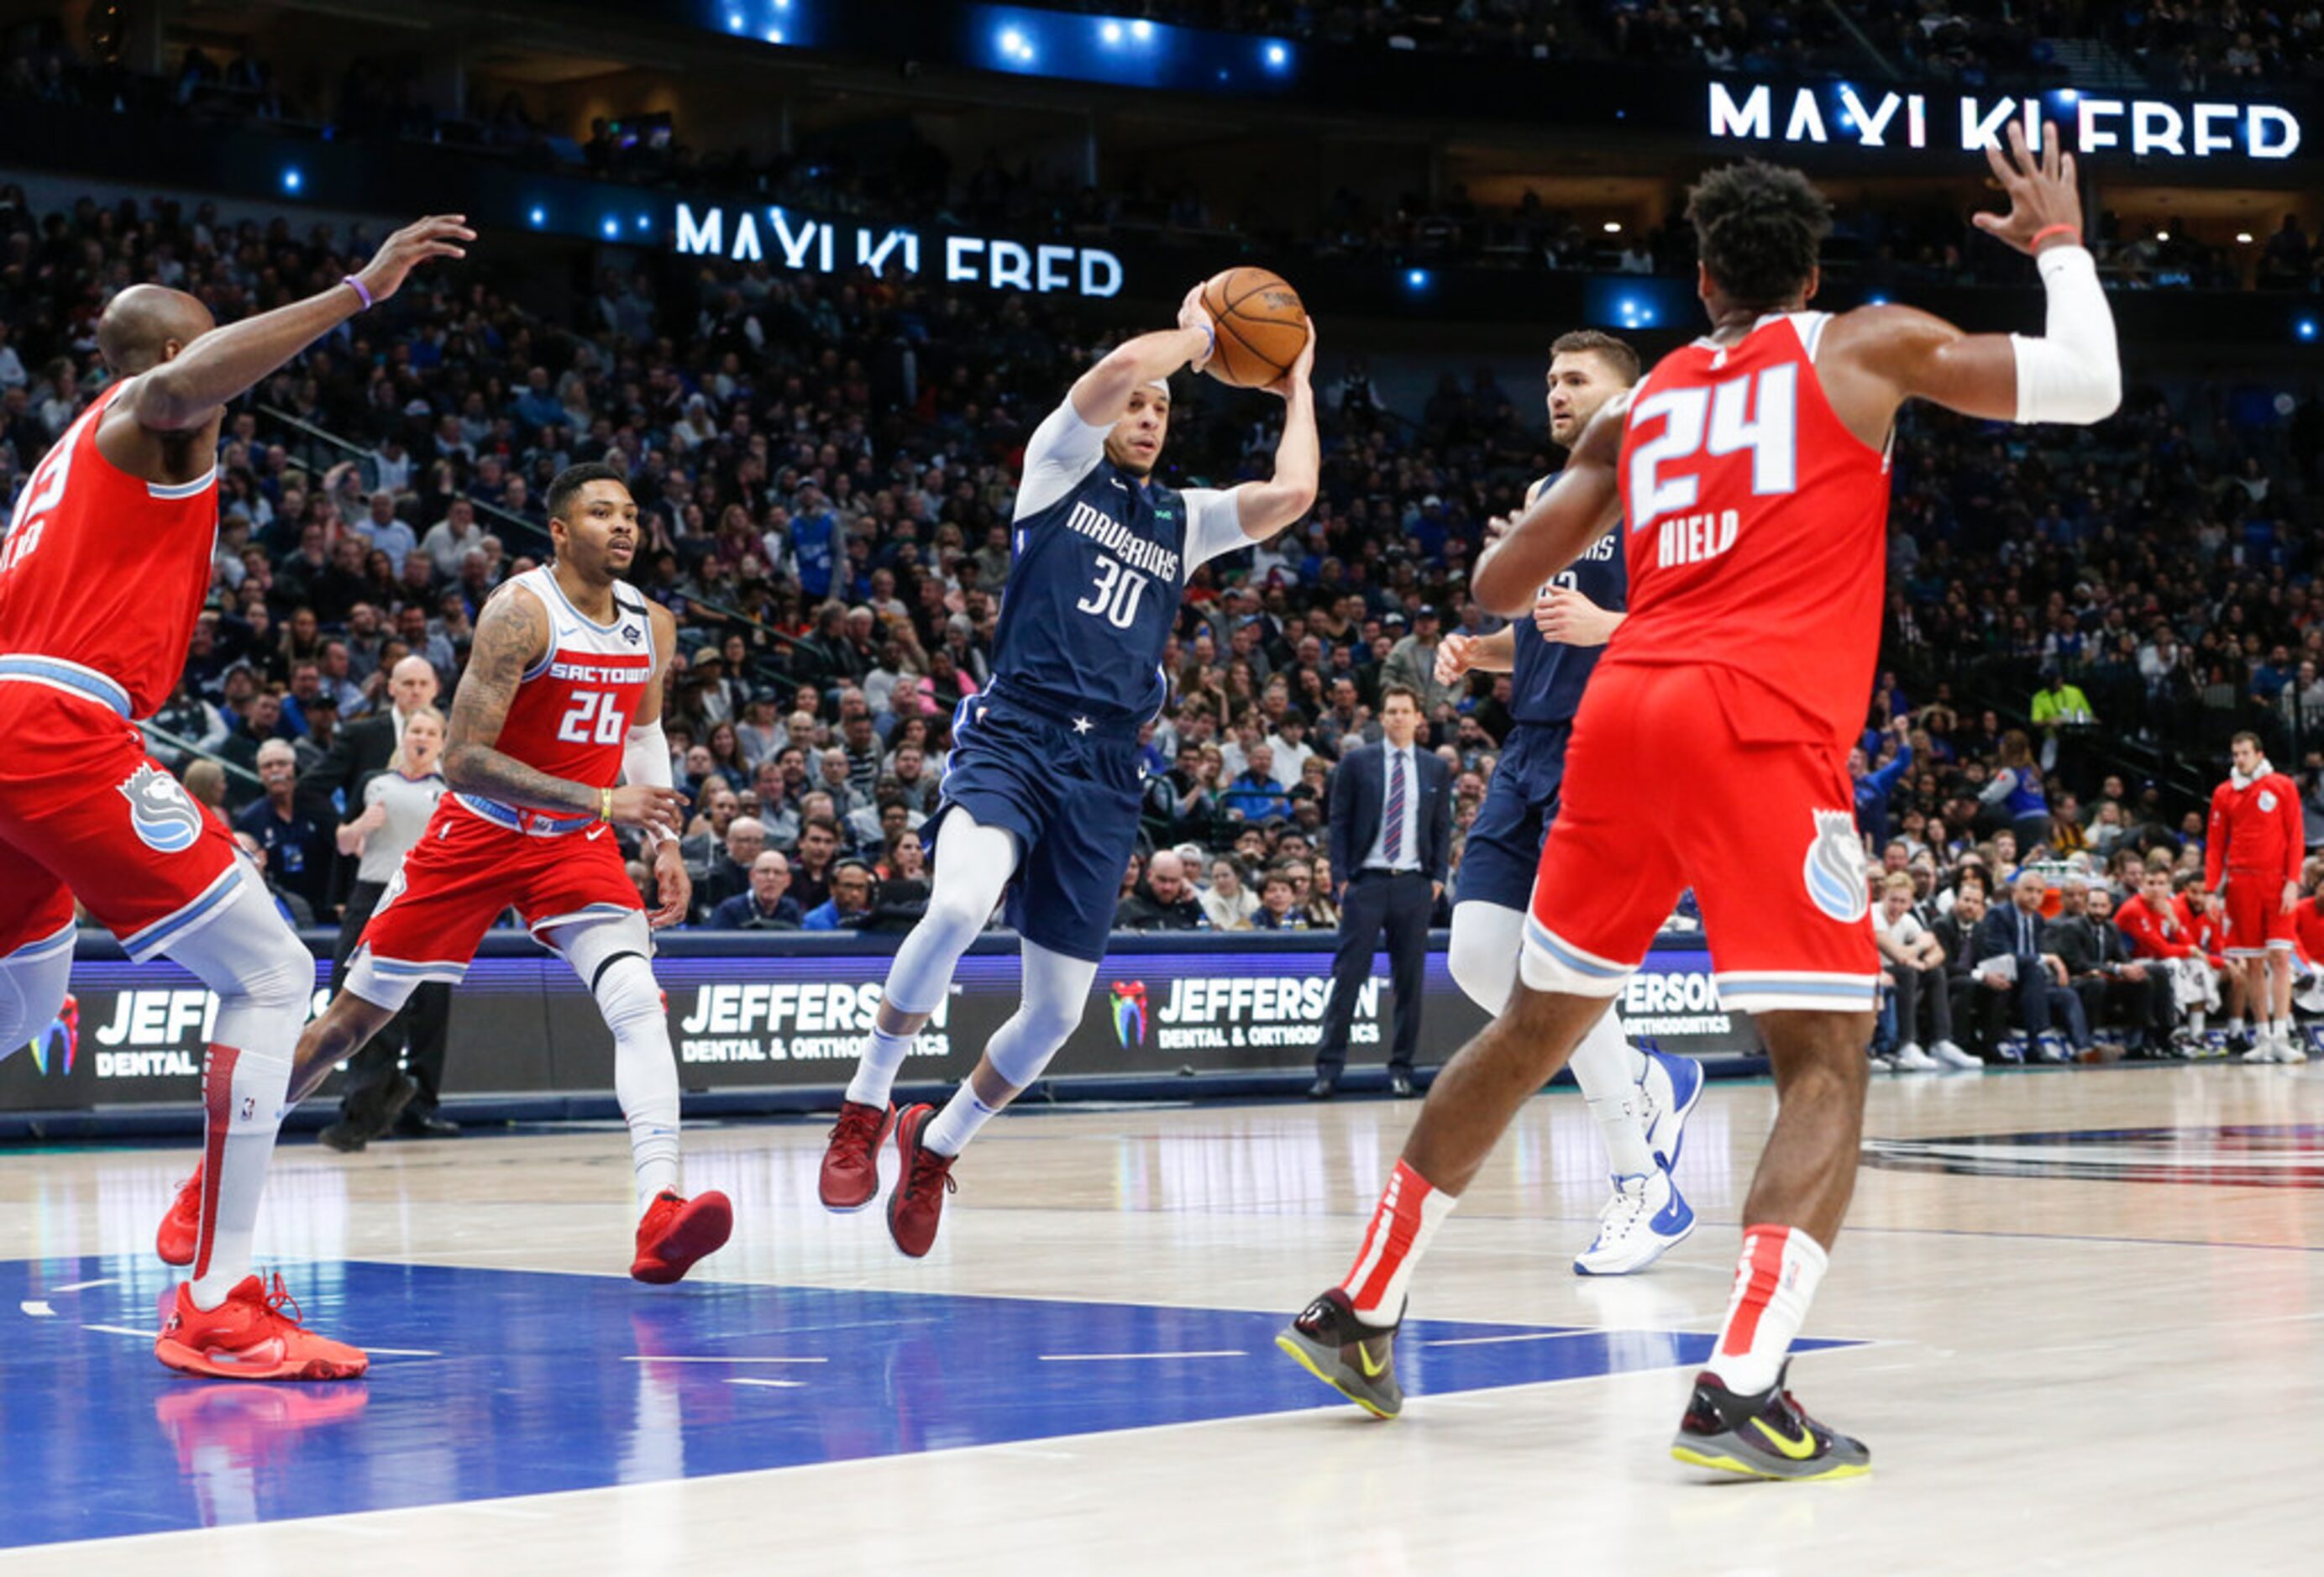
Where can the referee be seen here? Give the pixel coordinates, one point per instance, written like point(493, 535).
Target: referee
point(1391, 832)
point(397, 806)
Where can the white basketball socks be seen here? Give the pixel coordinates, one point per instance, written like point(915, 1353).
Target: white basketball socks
point(1774, 1282)
point(243, 1095)
point(1608, 1069)
point(876, 1070)
point(1403, 1223)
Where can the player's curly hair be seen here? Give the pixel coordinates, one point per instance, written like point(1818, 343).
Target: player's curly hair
point(1756, 228)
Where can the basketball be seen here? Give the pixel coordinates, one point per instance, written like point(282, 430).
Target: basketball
point(1262, 327)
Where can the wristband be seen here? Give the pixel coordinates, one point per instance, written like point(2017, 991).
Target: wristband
point(1210, 333)
point(357, 286)
point(604, 804)
point(2045, 232)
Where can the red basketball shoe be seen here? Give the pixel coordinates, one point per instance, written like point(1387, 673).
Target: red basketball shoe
point(248, 1337)
point(851, 1162)
point(174, 1240)
point(916, 1206)
point(676, 1231)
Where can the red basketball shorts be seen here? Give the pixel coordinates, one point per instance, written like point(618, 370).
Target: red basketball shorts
point(2256, 922)
point(456, 879)
point(83, 811)
point(1669, 785)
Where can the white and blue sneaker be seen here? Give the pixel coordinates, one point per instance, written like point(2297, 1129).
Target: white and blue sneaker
point(1645, 1219)
point(1668, 1092)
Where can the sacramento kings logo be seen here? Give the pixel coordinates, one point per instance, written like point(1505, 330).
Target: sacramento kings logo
point(164, 818)
point(1834, 869)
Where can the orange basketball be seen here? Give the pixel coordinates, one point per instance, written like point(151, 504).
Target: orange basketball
point(1261, 326)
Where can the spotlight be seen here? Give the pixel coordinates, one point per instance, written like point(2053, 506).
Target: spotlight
point(611, 226)
point(1278, 57)
point(2243, 238)
point(733, 21)
point(774, 36)
point(2307, 329)
point(1111, 32)
point(1416, 278)
point(291, 180)
point(1142, 31)
point(538, 217)
point(645, 221)
point(1613, 227)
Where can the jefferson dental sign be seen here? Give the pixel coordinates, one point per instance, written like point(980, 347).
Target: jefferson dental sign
point(797, 241)
point(1842, 116)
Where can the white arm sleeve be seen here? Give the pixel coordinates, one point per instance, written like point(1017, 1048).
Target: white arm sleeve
point(645, 759)
point(2073, 372)
point(1213, 525)
point(1062, 451)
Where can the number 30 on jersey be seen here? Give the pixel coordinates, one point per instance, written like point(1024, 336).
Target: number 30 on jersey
point(1116, 595)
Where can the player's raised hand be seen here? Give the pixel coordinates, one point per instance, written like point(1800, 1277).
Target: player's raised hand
point(639, 806)
point(438, 236)
point(2041, 193)
point(1300, 370)
point(1193, 314)
point(672, 884)
point(1452, 657)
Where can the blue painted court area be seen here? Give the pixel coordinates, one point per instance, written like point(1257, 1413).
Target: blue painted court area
point(489, 1383)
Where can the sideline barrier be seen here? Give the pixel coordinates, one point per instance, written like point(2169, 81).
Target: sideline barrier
point(770, 1022)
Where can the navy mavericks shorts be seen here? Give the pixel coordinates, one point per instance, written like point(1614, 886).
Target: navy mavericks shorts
point(1503, 854)
point(1072, 797)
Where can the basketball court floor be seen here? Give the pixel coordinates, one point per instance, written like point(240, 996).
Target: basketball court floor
point(2079, 1316)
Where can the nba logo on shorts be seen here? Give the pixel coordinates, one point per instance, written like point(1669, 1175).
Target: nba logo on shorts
point(1834, 869)
point(164, 818)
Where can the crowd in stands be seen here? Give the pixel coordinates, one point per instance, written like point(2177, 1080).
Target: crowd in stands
point(826, 467)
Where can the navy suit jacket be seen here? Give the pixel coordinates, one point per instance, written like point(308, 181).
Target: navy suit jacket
point(1359, 793)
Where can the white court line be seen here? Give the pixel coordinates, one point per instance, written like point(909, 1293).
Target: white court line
point(747, 1380)
point(404, 1352)
point(658, 1358)
point(1527, 1336)
point(120, 1330)
point(1130, 1357)
point(38, 1308)
point(85, 1286)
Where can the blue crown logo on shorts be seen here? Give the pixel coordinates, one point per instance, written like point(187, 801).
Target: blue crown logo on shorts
point(162, 815)
point(1834, 868)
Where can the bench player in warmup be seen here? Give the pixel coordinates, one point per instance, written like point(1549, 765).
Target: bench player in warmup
point(103, 570)
point(2251, 859)
point(1640, 1099)
point(1750, 473)
point(1041, 794)
point(561, 697)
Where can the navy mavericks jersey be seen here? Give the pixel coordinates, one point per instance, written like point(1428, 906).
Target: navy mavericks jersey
point(1094, 579)
point(1546, 682)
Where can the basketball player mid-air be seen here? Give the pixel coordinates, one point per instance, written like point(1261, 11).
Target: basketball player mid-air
point(1750, 471)
point(562, 696)
point(103, 570)
point(1043, 784)
point(1640, 1099)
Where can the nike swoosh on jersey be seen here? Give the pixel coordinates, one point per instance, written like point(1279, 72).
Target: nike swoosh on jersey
point(1799, 1450)
point(596, 832)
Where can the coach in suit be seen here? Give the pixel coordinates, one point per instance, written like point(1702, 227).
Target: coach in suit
point(1391, 832)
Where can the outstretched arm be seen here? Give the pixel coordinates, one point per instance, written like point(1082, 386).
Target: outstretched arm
point(1877, 358)
point(186, 390)
point(1575, 509)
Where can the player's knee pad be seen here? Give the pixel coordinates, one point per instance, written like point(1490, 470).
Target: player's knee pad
point(1482, 953)
point(629, 996)
point(32, 987)
point(1056, 994)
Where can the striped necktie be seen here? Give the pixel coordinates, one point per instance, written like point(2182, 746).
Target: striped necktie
point(1392, 845)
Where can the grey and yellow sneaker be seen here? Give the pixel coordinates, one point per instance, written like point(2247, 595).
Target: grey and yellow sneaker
point(1356, 1360)
point(1765, 1436)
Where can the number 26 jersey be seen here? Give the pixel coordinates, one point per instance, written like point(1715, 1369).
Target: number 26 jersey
point(1756, 531)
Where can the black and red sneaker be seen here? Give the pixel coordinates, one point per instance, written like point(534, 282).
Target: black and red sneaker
point(1354, 1359)
point(851, 1161)
point(1768, 1435)
point(916, 1206)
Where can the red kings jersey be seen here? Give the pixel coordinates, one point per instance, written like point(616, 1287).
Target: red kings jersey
point(572, 710)
point(102, 574)
point(1757, 527)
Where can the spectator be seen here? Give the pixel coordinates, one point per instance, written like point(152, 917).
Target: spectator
point(1229, 900)
point(2021, 972)
point(2115, 987)
point(767, 906)
point(298, 853)
point(1916, 960)
point(732, 871)
point(1164, 901)
point(1275, 912)
point(818, 847)
point(850, 904)
point(1873, 787)
point(1254, 795)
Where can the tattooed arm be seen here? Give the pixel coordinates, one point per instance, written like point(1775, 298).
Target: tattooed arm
point(513, 634)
